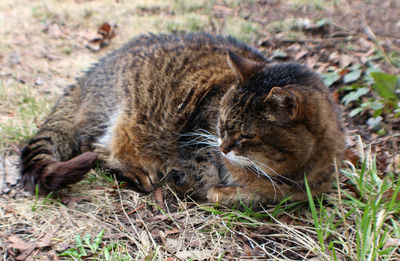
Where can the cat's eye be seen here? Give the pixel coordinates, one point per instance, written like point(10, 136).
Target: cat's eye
point(246, 136)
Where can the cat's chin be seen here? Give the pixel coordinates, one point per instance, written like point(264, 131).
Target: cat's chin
point(238, 160)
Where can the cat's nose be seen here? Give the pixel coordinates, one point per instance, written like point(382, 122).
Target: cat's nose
point(224, 150)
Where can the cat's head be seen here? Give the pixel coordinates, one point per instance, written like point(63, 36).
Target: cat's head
point(264, 120)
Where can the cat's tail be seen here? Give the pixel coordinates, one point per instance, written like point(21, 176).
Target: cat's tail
point(47, 160)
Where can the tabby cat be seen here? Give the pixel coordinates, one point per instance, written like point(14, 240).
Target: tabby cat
point(208, 115)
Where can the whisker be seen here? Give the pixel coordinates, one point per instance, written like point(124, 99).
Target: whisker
point(259, 171)
point(279, 175)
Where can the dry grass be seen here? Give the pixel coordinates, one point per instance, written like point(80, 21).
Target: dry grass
point(42, 49)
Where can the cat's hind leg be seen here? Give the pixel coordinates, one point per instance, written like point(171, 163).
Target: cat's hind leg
point(47, 160)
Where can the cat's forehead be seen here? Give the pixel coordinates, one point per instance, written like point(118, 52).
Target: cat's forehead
point(236, 120)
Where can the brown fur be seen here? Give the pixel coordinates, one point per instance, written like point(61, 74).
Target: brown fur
point(161, 103)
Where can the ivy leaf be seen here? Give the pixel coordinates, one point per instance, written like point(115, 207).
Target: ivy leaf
point(330, 78)
point(385, 85)
point(355, 111)
point(367, 76)
point(352, 76)
point(354, 96)
point(278, 54)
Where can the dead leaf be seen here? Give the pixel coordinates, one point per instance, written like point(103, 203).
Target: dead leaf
point(382, 160)
point(173, 245)
point(300, 55)
point(54, 31)
point(9, 173)
point(197, 254)
point(396, 162)
point(173, 231)
point(352, 156)
point(11, 167)
point(312, 60)
point(222, 9)
point(159, 197)
point(247, 250)
point(335, 96)
point(71, 201)
point(104, 35)
point(45, 241)
point(24, 248)
point(392, 242)
point(389, 194)
point(354, 190)
point(163, 237)
point(344, 60)
point(144, 239)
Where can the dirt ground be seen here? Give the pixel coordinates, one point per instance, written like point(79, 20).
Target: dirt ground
point(45, 45)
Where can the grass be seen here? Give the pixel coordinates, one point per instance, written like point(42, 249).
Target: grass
point(24, 107)
point(367, 217)
point(101, 219)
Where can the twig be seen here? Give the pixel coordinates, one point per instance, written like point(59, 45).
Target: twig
point(372, 36)
point(129, 219)
point(136, 209)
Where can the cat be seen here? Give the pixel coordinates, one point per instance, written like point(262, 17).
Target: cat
point(208, 115)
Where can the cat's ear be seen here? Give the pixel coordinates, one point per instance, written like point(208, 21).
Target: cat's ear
point(243, 67)
point(285, 105)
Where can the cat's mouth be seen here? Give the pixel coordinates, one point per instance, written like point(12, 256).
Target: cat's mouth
point(233, 157)
point(237, 159)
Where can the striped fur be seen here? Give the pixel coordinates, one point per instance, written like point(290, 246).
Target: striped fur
point(209, 115)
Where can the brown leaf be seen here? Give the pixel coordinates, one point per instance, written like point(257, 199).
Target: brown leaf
point(46, 240)
point(247, 250)
point(300, 55)
point(173, 231)
point(344, 60)
point(107, 31)
point(354, 190)
point(163, 237)
point(24, 248)
point(54, 31)
point(159, 197)
point(352, 156)
point(70, 201)
point(287, 220)
point(382, 160)
point(389, 194)
point(396, 162)
point(335, 96)
point(10, 169)
point(104, 35)
point(392, 242)
point(170, 259)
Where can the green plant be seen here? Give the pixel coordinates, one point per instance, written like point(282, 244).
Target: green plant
point(376, 211)
point(367, 218)
point(375, 93)
point(86, 247)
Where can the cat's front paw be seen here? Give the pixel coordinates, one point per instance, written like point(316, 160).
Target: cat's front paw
point(141, 180)
point(177, 177)
point(223, 194)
